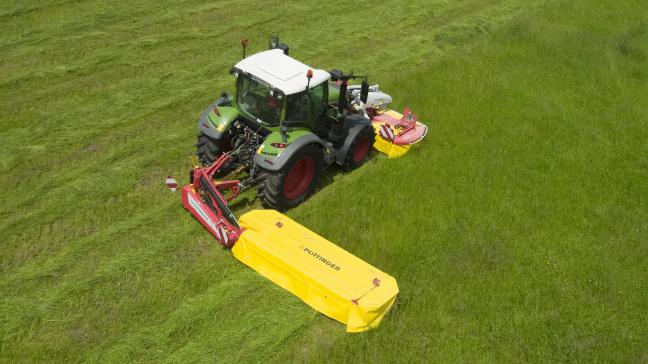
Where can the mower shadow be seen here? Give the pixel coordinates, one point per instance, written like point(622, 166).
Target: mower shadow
point(245, 203)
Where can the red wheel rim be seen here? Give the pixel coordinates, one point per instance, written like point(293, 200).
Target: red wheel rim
point(299, 178)
point(361, 150)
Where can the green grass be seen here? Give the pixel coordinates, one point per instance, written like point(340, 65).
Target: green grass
point(517, 230)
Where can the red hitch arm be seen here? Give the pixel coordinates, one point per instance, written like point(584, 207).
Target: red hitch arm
point(205, 200)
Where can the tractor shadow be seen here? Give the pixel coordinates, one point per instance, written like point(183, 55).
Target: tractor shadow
point(249, 199)
point(331, 172)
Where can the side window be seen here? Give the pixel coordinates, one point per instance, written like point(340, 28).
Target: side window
point(297, 106)
point(306, 107)
point(317, 101)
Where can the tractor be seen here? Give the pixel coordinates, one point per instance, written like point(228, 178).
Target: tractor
point(286, 123)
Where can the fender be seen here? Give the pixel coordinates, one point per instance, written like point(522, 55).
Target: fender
point(214, 125)
point(353, 125)
point(276, 163)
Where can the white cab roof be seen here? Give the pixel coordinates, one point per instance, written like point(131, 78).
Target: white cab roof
point(281, 71)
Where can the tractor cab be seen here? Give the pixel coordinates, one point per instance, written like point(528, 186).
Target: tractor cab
point(273, 89)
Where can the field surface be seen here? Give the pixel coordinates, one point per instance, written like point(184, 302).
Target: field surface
point(518, 231)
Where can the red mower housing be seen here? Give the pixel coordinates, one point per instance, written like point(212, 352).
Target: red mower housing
point(207, 200)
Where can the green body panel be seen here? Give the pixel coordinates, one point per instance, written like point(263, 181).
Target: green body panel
point(292, 135)
point(223, 122)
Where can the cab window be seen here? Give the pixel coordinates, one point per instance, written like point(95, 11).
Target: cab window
point(301, 107)
point(258, 100)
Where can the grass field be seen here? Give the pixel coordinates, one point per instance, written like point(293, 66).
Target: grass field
point(518, 231)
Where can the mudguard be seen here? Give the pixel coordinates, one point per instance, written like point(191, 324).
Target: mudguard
point(214, 123)
point(353, 125)
point(275, 163)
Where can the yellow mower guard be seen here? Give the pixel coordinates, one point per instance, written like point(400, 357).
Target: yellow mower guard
point(390, 149)
point(325, 276)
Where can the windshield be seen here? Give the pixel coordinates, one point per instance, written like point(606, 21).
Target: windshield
point(258, 101)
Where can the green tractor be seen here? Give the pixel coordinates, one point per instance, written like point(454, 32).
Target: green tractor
point(286, 123)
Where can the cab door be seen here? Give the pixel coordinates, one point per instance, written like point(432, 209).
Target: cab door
point(307, 108)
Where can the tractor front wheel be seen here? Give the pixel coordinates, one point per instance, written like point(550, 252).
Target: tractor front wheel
point(359, 149)
point(295, 181)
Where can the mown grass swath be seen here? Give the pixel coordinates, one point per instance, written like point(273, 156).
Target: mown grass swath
point(516, 230)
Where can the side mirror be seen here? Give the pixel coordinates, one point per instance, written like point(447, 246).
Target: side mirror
point(364, 91)
point(336, 74)
point(275, 44)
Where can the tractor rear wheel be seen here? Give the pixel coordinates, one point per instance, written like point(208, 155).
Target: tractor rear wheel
point(359, 149)
point(208, 149)
point(295, 181)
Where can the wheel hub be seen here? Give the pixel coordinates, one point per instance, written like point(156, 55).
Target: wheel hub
point(299, 178)
point(361, 150)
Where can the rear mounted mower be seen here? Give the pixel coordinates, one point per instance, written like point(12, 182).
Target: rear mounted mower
point(325, 276)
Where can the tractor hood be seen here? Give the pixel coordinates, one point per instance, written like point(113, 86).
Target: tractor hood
point(281, 71)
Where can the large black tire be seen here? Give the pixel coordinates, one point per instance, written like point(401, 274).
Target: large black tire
point(295, 181)
point(209, 149)
point(358, 152)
